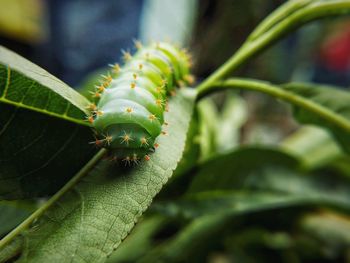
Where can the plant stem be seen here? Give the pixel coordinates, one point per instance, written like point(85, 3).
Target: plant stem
point(278, 15)
point(316, 10)
point(278, 92)
point(68, 186)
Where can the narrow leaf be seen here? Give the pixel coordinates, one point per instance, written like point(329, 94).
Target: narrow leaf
point(332, 229)
point(332, 98)
point(213, 211)
point(139, 242)
point(237, 202)
point(231, 170)
point(314, 145)
point(192, 238)
point(314, 104)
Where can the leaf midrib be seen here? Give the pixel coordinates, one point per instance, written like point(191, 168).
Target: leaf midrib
point(64, 116)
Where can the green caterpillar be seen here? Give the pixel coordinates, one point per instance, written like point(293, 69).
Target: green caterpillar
point(131, 100)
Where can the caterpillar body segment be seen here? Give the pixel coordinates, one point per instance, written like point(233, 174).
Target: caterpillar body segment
point(128, 113)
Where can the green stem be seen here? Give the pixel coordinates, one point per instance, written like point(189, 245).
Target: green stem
point(26, 223)
point(278, 15)
point(278, 92)
point(316, 10)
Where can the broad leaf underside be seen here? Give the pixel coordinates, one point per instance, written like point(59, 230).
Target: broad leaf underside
point(43, 136)
point(92, 219)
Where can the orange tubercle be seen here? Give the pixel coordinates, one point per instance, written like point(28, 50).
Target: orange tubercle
point(129, 110)
point(92, 107)
point(137, 44)
point(143, 141)
point(96, 94)
point(152, 117)
point(126, 138)
point(115, 68)
point(126, 56)
point(97, 142)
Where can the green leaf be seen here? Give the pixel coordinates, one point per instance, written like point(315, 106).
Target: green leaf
point(314, 104)
point(245, 182)
point(341, 165)
point(230, 171)
point(213, 214)
point(235, 203)
point(42, 129)
point(254, 178)
point(315, 146)
point(213, 211)
point(87, 223)
point(12, 250)
point(139, 242)
point(233, 116)
point(179, 180)
point(208, 127)
point(12, 213)
point(331, 229)
point(192, 148)
point(191, 238)
point(332, 98)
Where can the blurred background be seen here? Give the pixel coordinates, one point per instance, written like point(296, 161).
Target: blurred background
point(71, 38)
point(74, 39)
point(77, 39)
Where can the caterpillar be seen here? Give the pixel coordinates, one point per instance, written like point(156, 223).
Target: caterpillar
point(128, 109)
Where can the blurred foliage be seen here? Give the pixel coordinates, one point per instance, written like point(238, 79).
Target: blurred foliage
point(23, 20)
point(158, 22)
point(253, 185)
